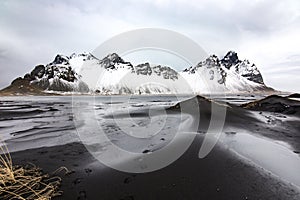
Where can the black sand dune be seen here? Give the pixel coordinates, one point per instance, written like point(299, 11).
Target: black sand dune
point(278, 117)
point(273, 112)
point(275, 103)
point(295, 95)
point(234, 115)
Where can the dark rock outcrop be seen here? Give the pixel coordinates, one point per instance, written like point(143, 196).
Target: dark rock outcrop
point(275, 103)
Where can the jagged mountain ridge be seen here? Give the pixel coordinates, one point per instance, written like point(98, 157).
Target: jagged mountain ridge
point(229, 75)
point(244, 68)
point(230, 62)
point(81, 72)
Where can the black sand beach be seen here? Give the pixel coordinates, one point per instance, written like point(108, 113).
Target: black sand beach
point(222, 174)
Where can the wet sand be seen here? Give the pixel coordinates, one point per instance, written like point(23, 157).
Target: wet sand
point(221, 175)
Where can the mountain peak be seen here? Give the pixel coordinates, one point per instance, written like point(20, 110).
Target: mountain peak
point(231, 54)
point(230, 59)
point(60, 59)
point(111, 59)
point(213, 58)
point(114, 57)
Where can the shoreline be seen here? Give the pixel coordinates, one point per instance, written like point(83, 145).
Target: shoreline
point(57, 93)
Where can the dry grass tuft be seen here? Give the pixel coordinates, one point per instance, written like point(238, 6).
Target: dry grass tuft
point(25, 183)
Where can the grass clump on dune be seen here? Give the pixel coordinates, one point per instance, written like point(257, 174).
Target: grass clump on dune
point(25, 182)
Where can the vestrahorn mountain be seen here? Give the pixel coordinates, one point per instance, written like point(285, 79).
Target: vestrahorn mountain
point(84, 73)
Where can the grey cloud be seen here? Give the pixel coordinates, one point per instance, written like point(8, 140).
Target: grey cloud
point(33, 31)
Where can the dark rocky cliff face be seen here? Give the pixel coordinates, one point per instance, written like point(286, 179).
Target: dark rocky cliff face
point(244, 68)
point(230, 59)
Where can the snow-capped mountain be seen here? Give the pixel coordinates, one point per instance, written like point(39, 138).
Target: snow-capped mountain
point(113, 75)
point(85, 73)
point(243, 68)
point(228, 74)
point(58, 75)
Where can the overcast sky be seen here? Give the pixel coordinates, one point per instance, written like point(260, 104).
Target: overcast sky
point(265, 32)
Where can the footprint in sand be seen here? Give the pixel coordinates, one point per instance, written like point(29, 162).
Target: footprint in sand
point(82, 195)
point(88, 171)
point(77, 181)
